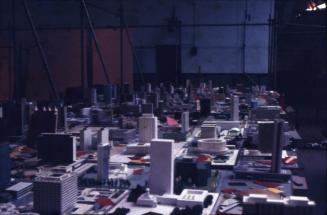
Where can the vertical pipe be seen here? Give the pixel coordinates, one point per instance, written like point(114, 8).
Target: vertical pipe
point(134, 52)
point(121, 13)
point(12, 72)
point(18, 90)
point(275, 41)
point(270, 46)
point(26, 57)
point(82, 48)
point(244, 36)
point(270, 79)
point(41, 50)
point(95, 41)
point(176, 53)
point(89, 60)
point(179, 53)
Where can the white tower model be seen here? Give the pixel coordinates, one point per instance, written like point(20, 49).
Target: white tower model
point(103, 135)
point(148, 88)
point(103, 162)
point(85, 139)
point(148, 128)
point(185, 121)
point(162, 167)
point(235, 108)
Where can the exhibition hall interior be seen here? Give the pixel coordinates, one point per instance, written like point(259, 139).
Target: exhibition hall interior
point(163, 107)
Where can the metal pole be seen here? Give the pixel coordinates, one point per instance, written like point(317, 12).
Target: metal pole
point(244, 44)
point(133, 51)
point(82, 48)
point(180, 54)
point(41, 50)
point(270, 45)
point(95, 41)
point(244, 36)
point(275, 47)
point(10, 71)
point(18, 87)
point(13, 52)
point(89, 60)
point(121, 10)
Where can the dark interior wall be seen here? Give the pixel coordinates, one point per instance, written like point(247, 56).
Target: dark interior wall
point(228, 36)
point(110, 42)
point(219, 44)
point(5, 70)
point(301, 54)
point(58, 24)
point(300, 58)
point(63, 52)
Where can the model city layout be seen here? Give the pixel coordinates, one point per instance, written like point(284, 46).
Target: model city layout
point(164, 150)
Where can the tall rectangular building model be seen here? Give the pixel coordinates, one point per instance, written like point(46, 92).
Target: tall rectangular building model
point(235, 108)
point(185, 121)
point(103, 162)
point(55, 193)
point(162, 167)
point(148, 128)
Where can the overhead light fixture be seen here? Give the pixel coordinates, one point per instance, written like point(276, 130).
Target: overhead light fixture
point(312, 6)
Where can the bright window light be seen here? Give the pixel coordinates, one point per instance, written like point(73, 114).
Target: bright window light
point(313, 7)
point(322, 6)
